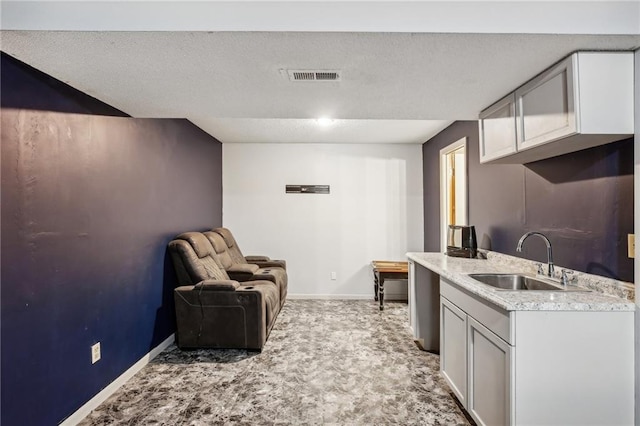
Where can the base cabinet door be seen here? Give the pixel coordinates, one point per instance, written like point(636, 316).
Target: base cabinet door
point(489, 363)
point(453, 348)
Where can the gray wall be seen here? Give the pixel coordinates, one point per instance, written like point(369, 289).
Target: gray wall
point(637, 225)
point(582, 201)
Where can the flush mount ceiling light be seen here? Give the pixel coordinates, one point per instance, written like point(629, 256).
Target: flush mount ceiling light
point(324, 121)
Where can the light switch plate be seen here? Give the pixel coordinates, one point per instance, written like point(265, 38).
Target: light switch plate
point(95, 353)
point(631, 245)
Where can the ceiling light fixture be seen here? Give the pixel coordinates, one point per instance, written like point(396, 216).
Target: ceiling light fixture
point(324, 121)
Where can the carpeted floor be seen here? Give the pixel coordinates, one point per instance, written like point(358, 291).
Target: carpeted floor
point(325, 362)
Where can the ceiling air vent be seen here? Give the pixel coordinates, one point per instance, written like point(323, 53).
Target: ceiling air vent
point(314, 75)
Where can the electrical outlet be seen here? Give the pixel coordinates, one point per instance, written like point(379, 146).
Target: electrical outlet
point(95, 353)
point(333, 275)
point(631, 245)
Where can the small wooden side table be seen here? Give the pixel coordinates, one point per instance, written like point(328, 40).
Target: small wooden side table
point(386, 269)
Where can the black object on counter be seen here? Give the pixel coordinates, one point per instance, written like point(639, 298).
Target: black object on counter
point(462, 241)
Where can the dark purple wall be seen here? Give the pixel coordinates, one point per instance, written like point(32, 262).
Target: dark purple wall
point(582, 201)
point(23, 87)
point(89, 203)
point(431, 178)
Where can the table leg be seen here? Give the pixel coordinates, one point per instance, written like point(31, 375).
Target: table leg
point(375, 286)
point(381, 293)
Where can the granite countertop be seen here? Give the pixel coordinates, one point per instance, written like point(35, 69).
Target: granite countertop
point(605, 295)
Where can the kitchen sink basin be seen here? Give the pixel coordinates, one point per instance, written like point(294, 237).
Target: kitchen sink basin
point(519, 282)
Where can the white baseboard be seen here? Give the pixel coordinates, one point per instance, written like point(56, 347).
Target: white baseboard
point(331, 296)
point(389, 297)
point(105, 393)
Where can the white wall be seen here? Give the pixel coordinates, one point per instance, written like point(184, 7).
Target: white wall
point(374, 210)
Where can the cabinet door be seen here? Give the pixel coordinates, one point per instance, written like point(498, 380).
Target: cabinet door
point(545, 106)
point(453, 348)
point(498, 130)
point(489, 396)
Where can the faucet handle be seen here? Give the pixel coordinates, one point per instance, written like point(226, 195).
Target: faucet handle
point(540, 269)
point(564, 279)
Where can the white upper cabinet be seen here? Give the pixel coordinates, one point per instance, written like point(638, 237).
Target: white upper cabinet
point(584, 101)
point(546, 106)
point(498, 129)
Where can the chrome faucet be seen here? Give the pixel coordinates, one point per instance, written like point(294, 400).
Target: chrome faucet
point(550, 268)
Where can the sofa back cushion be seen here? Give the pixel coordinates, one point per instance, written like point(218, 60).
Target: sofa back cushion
point(232, 246)
point(194, 259)
point(220, 248)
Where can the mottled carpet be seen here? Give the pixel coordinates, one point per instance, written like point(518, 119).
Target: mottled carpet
point(325, 362)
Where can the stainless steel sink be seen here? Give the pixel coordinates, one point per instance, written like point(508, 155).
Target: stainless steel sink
point(511, 282)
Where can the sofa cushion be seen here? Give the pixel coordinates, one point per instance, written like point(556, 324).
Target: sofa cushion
point(220, 248)
point(234, 250)
point(194, 259)
point(198, 242)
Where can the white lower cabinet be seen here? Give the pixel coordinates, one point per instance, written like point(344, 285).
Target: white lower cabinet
point(476, 364)
point(536, 367)
point(489, 366)
point(453, 348)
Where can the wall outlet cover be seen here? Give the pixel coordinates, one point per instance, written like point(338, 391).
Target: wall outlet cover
point(631, 245)
point(95, 353)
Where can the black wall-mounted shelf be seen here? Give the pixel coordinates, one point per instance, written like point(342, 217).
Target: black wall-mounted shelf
point(307, 189)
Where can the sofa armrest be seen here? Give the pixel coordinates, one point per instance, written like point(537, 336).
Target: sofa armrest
point(254, 259)
point(242, 271)
point(217, 285)
point(220, 319)
point(272, 263)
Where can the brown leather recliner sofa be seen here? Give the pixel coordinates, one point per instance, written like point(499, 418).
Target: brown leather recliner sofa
point(214, 310)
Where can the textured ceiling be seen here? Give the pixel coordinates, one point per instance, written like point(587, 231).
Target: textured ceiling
point(231, 84)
